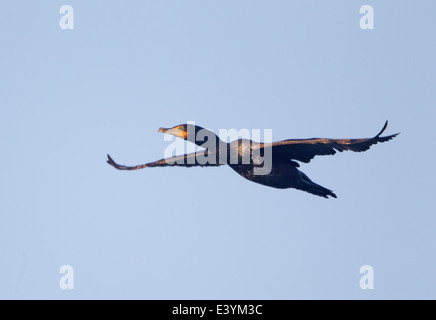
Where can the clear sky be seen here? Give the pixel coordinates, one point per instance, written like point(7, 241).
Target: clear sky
point(301, 68)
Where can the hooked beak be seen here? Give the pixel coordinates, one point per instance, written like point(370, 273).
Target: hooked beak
point(175, 132)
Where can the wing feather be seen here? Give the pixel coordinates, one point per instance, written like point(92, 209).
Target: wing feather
point(305, 150)
point(196, 159)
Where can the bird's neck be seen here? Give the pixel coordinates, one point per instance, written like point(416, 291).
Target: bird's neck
point(207, 139)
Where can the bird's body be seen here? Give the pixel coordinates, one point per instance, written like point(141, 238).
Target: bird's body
point(283, 175)
point(249, 159)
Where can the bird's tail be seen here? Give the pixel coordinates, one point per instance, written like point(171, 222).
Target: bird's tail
point(308, 185)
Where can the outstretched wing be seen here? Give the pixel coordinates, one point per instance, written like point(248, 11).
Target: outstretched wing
point(200, 159)
point(305, 150)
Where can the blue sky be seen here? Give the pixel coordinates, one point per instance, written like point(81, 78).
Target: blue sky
point(301, 68)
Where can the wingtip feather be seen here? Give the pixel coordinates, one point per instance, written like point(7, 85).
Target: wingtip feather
point(383, 129)
point(112, 162)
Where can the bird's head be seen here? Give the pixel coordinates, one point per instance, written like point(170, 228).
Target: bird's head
point(180, 131)
point(190, 132)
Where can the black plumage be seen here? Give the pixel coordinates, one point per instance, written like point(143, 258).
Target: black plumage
point(245, 156)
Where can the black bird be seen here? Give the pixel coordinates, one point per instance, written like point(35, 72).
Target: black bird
point(282, 173)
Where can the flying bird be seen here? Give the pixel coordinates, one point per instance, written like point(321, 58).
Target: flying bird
point(282, 173)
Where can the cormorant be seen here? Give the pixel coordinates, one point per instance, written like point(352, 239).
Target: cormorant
point(283, 172)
